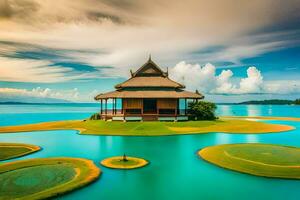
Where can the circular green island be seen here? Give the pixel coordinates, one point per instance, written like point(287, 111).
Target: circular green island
point(124, 162)
point(45, 177)
point(14, 150)
point(257, 159)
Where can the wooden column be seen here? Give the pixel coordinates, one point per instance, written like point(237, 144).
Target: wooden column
point(101, 106)
point(176, 109)
point(113, 106)
point(142, 108)
point(115, 102)
point(116, 105)
point(122, 108)
point(185, 106)
point(105, 106)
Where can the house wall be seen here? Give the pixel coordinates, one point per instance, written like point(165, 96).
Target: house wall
point(132, 103)
point(161, 103)
point(164, 106)
point(167, 103)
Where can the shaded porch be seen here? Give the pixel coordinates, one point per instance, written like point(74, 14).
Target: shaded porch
point(144, 109)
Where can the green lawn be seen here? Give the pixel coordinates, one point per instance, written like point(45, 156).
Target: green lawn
point(256, 159)
point(44, 177)
point(14, 150)
point(100, 127)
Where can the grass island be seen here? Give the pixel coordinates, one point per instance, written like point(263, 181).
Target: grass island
point(45, 177)
point(153, 128)
point(265, 160)
point(14, 150)
point(124, 162)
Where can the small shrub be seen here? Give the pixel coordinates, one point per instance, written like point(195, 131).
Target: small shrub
point(202, 110)
point(95, 116)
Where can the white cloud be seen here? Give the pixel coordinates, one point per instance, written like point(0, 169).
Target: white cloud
point(195, 76)
point(253, 83)
point(29, 70)
point(205, 79)
point(224, 84)
point(71, 95)
point(124, 32)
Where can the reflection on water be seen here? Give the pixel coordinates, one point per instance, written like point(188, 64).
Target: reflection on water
point(252, 138)
point(225, 138)
point(222, 138)
point(225, 110)
point(270, 110)
point(259, 110)
point(109, 143)
point(253, 111)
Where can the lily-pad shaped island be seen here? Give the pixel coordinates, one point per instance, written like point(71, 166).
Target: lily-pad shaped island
point(45, 177)
point(265, 160)
point(15, 150)
point(124, 162)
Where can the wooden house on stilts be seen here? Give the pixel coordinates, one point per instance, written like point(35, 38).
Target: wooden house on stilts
point(149, 94)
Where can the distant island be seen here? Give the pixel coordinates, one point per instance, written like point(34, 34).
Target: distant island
point(32, 103)
point(45, 103)
point(15, 100)
point(272, 102)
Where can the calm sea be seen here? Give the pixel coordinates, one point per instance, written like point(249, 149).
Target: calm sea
point(175, 171)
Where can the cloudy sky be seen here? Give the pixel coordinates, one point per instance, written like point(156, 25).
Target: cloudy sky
point(73, 49)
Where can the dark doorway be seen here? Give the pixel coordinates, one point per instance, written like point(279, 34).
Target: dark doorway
point(150, 106)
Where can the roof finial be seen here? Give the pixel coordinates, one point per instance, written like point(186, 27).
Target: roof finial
point(131, 72)
point(149, 57)
point(167, 73)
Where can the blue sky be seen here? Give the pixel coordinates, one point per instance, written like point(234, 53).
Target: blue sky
point(73, 50)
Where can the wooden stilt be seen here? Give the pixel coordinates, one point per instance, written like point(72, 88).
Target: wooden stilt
point(185, 106)
point(105, 106)
point(176, 110)
point(115, 106)
point(101, 107)
point(122, 111)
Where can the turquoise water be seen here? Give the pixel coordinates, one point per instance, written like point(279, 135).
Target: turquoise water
point(175, 171)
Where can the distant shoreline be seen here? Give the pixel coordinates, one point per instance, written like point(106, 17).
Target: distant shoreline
point(265, 102)
point(260, 102)
point(27, 103)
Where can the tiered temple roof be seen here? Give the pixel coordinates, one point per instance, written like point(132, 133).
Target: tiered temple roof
point(149, 81)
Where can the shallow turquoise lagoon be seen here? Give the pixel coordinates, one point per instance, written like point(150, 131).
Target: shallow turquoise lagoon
point(175, 171)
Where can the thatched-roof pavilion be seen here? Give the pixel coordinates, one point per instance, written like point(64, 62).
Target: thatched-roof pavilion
point(148, 95)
